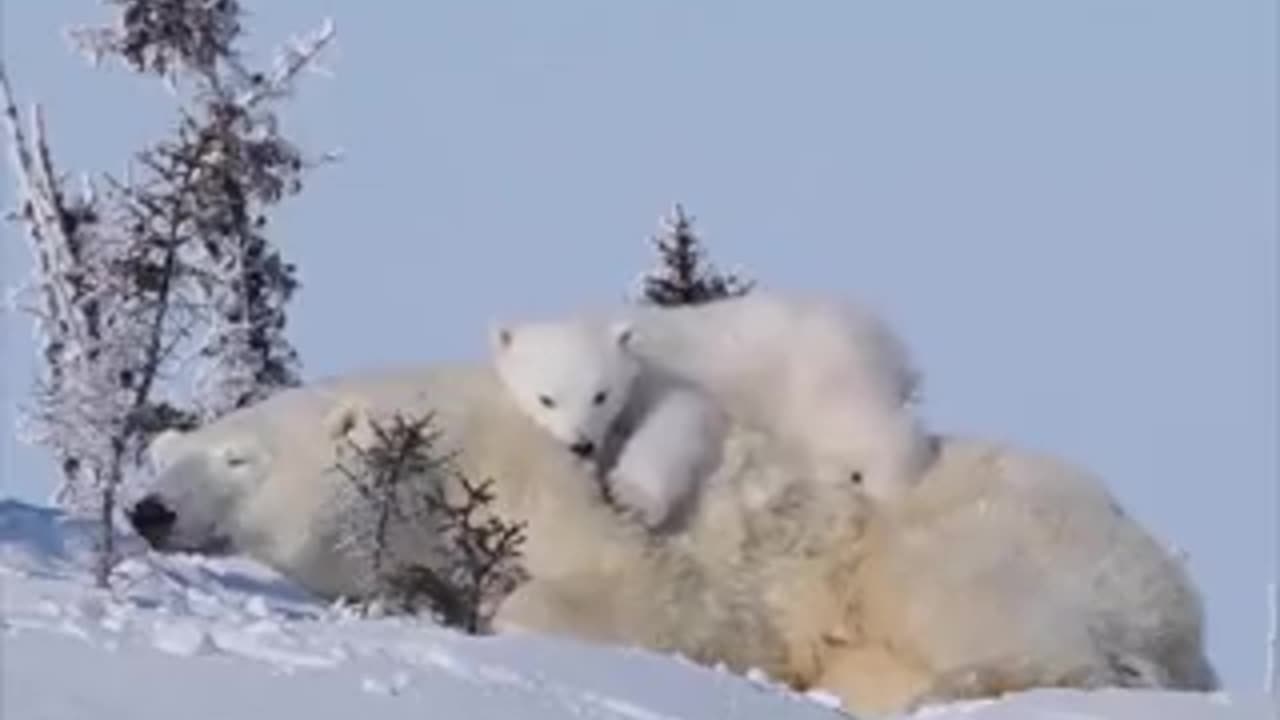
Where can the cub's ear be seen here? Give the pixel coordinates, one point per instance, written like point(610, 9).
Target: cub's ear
point(500, 336)
point(164, 447)
point(622, 333)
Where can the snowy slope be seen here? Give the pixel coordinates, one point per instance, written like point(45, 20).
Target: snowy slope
point(206, 638)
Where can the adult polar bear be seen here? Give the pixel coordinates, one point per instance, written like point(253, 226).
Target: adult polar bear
point(1002, 570)
point(263, 481)
point(1008, 569)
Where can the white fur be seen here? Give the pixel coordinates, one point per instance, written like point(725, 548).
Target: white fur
point(1008, 569)
point(686, 594)
point(666, 457)
point(572, 382)
point(654, 436)
point(827, 377)
point(1001, 570)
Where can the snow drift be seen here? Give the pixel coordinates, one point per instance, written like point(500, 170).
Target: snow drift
point(198, 637)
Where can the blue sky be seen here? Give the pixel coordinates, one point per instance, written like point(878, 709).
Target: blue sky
point(1067, 208)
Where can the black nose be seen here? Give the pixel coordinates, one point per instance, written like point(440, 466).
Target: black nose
point(152, 519)
point(583, 448)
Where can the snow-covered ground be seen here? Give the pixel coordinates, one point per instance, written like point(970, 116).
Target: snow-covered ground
point(203, 638)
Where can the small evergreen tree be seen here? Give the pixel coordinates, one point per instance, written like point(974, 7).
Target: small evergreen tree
point(386, 475)
point(483, 559)
point(684, 275)
point(400, 478)
point(167, 265)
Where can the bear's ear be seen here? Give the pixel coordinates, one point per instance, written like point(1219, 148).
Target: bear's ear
point(500, 336)
point(348, 419)
point(163, 447)
point(622, 333)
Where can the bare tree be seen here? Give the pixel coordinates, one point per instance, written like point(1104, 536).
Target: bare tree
point(684, 275)
point(168, 265)
point(399, 476)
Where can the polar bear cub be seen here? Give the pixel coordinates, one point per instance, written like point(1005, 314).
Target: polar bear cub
point(826, 377)
point(653, 436)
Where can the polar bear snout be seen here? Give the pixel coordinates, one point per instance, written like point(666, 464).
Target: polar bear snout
point(152, 519)
point(583, 448)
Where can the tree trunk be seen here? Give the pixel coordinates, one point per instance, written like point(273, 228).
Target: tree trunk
point(106, 559)
point(106, 541)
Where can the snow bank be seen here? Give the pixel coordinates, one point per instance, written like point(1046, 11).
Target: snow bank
point(195, 637)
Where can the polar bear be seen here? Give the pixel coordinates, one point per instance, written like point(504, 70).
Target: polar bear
point(1000, 570)
point(262, 480)
point(653, 436)
point(827, 377)
point(1007, 569)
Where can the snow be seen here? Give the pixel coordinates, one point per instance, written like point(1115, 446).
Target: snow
point(199, 637)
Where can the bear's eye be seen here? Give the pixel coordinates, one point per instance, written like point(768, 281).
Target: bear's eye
point(855, 477)
point(546, 401)
point(235, 461)
point(600, 397)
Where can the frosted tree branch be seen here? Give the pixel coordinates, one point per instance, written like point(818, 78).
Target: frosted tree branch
point(42, 203)
point(292, 59)
point(81, 410)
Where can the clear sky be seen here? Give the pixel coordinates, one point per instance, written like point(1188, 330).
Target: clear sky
point(1067, 208)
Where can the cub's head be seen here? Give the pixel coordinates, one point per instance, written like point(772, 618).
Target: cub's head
point(883, 452)
point(203, 481)
point(572, 379)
